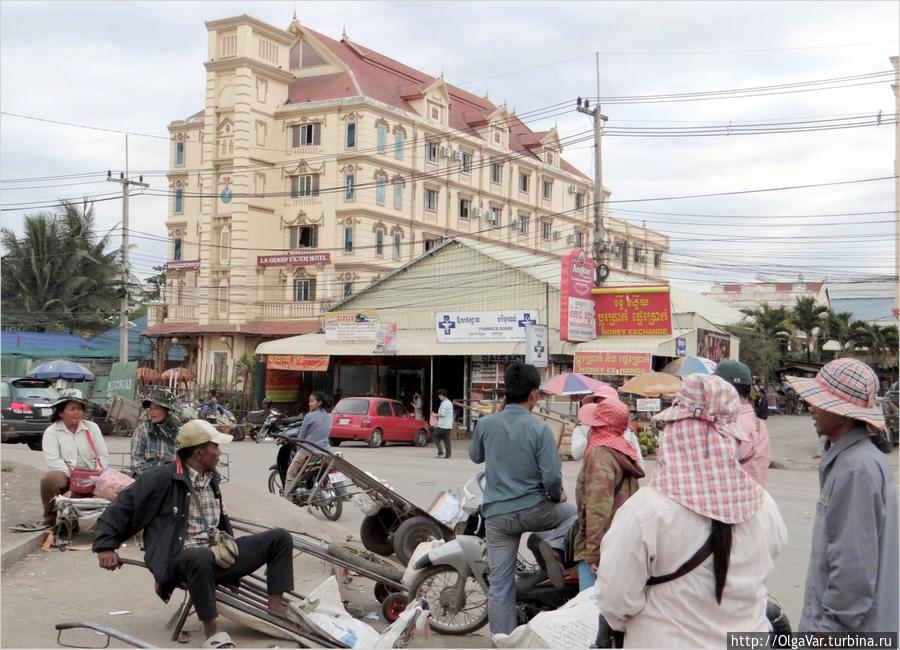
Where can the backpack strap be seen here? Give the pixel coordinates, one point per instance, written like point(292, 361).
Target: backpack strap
point(693, 562)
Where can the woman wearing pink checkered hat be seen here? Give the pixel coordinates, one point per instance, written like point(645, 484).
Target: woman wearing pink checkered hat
point(686, 558)
point(852, 580)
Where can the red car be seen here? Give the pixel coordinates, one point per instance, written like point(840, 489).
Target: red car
point(376, 421)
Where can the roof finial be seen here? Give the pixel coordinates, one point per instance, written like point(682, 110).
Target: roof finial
point(344, 32)
point(442, 72)
point(295, 11)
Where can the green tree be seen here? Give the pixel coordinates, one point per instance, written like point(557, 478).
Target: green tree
point(880, 342)
point(773, 326)
point(806, 318)
point(60, 274)
point(758, 350)
point(839, 327)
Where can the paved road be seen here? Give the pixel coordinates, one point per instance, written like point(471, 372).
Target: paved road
point(420, 476)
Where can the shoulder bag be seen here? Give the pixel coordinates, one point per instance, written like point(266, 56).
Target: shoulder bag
point(83, 481)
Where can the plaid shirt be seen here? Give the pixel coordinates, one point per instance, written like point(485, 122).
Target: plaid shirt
point(200, 521)
point(153, 444)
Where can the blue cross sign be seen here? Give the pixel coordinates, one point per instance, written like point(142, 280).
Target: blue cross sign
point(446, 324)
point(527, 320)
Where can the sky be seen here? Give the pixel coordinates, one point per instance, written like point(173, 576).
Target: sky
point(136, 66)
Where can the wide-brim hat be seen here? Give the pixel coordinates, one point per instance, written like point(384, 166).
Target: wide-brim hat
point(199, 432)
point(845, 387)
point(603, 392)
point(161, 398)
point(609, 412)
point(70, 395)
point(709, 398)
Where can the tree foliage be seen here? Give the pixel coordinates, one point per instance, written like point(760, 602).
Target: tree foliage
point(60, 275)
point(806, 318)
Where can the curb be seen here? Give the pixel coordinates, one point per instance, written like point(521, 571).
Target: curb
point(30, 543)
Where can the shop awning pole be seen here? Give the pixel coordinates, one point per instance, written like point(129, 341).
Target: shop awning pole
point(430, 383)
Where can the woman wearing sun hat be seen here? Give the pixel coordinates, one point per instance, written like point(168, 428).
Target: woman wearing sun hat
point(687, 556)
point(69, 442)
point(852, 580)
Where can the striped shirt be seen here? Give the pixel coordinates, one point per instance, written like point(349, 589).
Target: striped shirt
point(756, 453)
point(200, 521)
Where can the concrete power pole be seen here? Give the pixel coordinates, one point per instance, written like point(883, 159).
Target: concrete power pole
point(583, 106)
point(125, 182)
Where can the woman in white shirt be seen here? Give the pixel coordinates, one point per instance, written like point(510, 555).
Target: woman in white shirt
point(699, 505)
point(70, 442)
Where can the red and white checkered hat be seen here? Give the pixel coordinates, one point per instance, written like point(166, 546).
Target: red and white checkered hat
point(709, 398)
point(846, 387)
point(604, 392)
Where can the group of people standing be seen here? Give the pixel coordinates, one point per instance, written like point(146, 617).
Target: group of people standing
point(684, 559)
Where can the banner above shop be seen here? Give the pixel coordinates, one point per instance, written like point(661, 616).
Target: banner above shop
point(613, 363)
point(713, 345)
point(386, 338)
point(576, 303)
point(179, 265)
point(480, 326)
point(348, 326)
point(297, 362)
point(293, 259)
point(633, 311)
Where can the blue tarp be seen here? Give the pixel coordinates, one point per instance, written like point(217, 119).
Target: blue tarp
point(48, 345)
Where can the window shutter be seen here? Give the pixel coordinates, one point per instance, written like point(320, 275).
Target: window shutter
point(295, 136)
point(315, 185)
point(317, 134)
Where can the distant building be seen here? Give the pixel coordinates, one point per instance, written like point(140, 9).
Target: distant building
point(318, 166)
point(750, 295)
point(870, 302)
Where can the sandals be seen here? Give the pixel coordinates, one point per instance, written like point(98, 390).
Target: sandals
point(35, 527)
point(219, 640)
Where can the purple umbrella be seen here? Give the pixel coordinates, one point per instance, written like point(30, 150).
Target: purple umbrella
point(62, 369)
point(571, 383)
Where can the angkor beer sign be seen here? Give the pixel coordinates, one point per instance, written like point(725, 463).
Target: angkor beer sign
point(576, 303)
point(293, 259)
point(633, 311)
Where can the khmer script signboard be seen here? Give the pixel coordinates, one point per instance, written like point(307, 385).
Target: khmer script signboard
point(482, 326)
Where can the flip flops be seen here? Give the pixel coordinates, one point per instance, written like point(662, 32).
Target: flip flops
point(31, 528)
point(219, 640)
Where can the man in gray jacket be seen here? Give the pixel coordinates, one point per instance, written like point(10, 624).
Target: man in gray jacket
point(852, 580)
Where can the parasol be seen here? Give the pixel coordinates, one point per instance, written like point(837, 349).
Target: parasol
point(571, 383)
point(62, 369)
point(652, 384)
point(147, 375)
point(689, 366)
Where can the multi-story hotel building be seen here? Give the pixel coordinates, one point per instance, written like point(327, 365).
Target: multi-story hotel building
point(317, 166)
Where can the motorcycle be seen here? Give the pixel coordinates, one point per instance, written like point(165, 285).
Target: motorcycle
point(274, 423)
point(317, 485)
point(254, 420)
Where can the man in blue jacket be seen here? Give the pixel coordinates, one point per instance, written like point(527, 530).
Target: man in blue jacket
point(852, 581)
point(178, 505)
point(523, 486)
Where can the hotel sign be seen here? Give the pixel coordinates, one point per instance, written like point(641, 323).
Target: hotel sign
point(178, 265)
point(293, 259)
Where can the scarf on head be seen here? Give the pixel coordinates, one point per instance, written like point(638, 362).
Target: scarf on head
point(609, 421)
point(696, 464)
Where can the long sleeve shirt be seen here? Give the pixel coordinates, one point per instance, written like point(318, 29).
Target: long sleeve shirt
point(755, 454)
point(153, 444)
point(61, 446)
point(521, 462)
point(315, 428)
point(652, 535)
point(852, 580)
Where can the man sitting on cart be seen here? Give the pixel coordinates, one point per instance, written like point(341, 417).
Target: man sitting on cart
point(153, 442)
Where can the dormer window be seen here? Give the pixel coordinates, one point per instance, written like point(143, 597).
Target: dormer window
point(498, 138)
point(550, 158)
point(434, 111)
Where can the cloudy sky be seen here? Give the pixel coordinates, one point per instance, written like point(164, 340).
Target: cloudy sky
point(135, 66)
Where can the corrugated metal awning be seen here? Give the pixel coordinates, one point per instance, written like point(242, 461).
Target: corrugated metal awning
point(624, 344)
point(410, 343)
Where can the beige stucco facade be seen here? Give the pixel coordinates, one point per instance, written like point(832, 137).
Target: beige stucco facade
point(361, 183)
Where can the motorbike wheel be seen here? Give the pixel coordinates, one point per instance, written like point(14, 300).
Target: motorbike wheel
point(332, 508)
point(376, 439)
point(421, 438)
point(275, 486)
point(437, 586)
point(393, 606)
point(358, 556)
point(411, 533)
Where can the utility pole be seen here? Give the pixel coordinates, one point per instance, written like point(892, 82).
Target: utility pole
point(583, 106)
point(125, 182)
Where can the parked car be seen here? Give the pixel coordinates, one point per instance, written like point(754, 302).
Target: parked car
point(25, 409)
point(376, 421)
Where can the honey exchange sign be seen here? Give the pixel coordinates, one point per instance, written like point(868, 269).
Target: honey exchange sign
point(612, 363)
point(633, 311)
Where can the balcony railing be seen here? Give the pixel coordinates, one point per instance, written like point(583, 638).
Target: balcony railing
point(274, 310)
point(301, 200)
point(160, 312)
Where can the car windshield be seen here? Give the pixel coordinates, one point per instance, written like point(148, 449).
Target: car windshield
point(352, 407)
point(35, 390)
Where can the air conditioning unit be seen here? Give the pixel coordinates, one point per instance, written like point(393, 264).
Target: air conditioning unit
point(570, 239)
point(446, 152)
point(556, 234)
point(573, 189)
point(476, 212)
point(458, 155)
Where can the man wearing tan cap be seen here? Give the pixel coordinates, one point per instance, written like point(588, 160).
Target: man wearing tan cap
point(852, 580)
point(179, 507)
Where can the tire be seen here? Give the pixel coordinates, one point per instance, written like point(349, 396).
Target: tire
point(35, 445)
point(393, 606)
point(275, 486)
point(411, 533)
point(437, 586)
point(335, 442)
point(358, 556)
point(332, 508)
point(375, 532)
point(421, 438)
point(376, 439)
point(261, 434)
point(382, 591)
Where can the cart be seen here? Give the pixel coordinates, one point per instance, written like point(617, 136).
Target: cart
point(121, 416)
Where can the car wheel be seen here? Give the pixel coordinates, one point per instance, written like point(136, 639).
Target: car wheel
point(421, 438)
point(377, 438)
point(335, 442)
point(35, 444)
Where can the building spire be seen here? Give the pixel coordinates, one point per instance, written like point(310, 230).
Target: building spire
point(295, 11)
point(344, 32)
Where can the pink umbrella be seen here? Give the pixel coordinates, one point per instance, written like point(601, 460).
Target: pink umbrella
point(571, 383)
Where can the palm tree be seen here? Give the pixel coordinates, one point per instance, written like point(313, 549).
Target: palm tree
point(806, 317)
point(59, 274)
point(879, 341)
point(767, 320)
point(839, 327)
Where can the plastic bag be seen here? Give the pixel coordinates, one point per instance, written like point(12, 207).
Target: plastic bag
point(572, 626)
point(110, 483)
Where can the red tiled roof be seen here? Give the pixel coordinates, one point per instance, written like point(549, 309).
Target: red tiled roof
point(257, 328)
point(326, 86)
